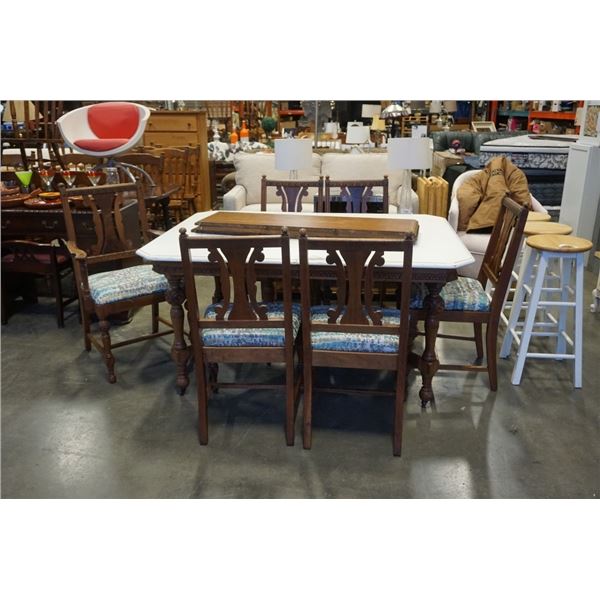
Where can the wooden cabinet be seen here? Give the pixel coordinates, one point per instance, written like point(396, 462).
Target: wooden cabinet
point(183, 128)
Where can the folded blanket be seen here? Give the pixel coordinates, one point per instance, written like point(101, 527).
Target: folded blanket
point(480, 197)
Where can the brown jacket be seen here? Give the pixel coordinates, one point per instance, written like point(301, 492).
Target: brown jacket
point(480, 197)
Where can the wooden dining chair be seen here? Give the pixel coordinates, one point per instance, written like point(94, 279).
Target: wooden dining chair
point(148, 168)
point(356, 196)
point(28, 259)
point(353, 333)
point(176, 164)
point(466, 299)
point(291, 192)
point(240, 328)
point(110, 279)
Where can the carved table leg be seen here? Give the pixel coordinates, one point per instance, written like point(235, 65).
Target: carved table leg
point(179, 351)
point(428, 363)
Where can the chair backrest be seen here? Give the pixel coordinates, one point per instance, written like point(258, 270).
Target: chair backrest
point(502, 250)
point(150, 164)
point(38, 119)
point(291, 192)
point(355, 195)
point(176, 165)
point(235, 259)
point(105, 202)
point(104, 129)
point(357, 262)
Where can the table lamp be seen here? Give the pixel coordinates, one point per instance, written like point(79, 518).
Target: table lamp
point(370, 111)
point(357, 135)
point(408, 154)
point(293, 155)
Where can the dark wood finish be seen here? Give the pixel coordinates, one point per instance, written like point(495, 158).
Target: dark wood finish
point(114, 249)
point(249, 223)
point(496, 269)
point(356, 193)
point(39, 130)
point(357, 262)
point(23, 257)
point(291, 192)
point(236, 260)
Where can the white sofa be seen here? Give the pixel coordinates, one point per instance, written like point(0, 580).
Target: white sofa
point(476, 243)
point(249, 168)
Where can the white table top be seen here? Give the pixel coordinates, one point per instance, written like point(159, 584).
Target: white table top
point(438, 246)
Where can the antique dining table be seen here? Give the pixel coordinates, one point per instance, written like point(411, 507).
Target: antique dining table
point(438, 252)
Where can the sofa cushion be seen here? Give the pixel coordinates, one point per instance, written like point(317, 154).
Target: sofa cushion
point(249, 169)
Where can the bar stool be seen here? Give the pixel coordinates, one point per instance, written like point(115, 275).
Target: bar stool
point(569, 251)
point(533, 226)
point(595, 306)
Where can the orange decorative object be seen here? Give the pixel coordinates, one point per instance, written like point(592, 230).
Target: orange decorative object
point(233, 137)
point(244, 132)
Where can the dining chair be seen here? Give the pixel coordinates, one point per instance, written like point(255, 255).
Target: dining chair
point(353, 333)
point(240, 328)
point(24, 258)
point(466, 299)
point(176, 164)
point(148, 168)
point(356, 196)
point(110, 279)
point(291, 192)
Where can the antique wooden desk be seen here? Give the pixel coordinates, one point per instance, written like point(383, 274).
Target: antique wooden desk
point(438, 252)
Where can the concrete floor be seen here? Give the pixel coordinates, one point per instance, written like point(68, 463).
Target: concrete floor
point(67, 433)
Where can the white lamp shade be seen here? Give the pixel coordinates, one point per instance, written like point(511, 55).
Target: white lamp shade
point(332, 128)
point(409, 153)
point(293, 154)
point(450, 106)
point(357, 134)
point(370, 110)
point(435, 107)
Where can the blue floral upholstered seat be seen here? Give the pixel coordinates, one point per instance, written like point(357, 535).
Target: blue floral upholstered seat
point(464, 293)
point(354, 342)
point(244, 337)
point(123, 284)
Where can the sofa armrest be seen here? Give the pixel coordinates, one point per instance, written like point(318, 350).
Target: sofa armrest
point(453, 213)
point(235, 198)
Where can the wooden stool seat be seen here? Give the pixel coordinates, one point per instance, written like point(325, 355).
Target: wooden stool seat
point(559, 243)
point(540, 228)
point(533, 216)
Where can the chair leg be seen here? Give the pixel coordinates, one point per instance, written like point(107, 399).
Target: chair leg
point(85, 324)
point(202, 394)
point(307, 407)
point(107, 354)
point(478, 332)
point(491, 342)
point(399, 412)
point(578, 324)
point(58, 295)
point(290, 403)
point(155, 317)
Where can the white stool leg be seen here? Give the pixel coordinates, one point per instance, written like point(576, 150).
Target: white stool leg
point(525, 271)
point(565, 282)
point(578, 341)
point(530, 319)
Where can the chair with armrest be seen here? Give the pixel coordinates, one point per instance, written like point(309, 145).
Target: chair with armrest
point(466, 299)
point(240, 328)
point(353, 333)
point(476, 243)
point(28, 258)
point(109, 278)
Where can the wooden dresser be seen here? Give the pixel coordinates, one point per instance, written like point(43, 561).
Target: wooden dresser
point(183, 128)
